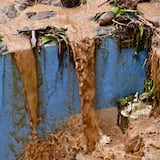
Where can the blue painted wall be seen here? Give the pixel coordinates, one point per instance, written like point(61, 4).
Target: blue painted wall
point(117, 75)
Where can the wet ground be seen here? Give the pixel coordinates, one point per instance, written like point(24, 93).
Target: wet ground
point(140, 142)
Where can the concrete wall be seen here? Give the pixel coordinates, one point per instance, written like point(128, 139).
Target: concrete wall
point(117, 75)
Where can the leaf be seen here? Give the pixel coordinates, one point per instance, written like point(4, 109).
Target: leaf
point(150, 95)
point(137, 45)
point(47, 39)
point(141, 31)
point(148, 84)
point(129, 98)
point(1, 37)
point(129, 11)
point(116, 11)
point(63, 37)
point(123, 101)
point(63, 29)
point(115, 2)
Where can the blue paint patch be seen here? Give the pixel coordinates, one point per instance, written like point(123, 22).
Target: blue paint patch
point(14, 121)
point(59, 93)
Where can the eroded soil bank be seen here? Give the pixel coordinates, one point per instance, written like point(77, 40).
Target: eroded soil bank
point(141, 141)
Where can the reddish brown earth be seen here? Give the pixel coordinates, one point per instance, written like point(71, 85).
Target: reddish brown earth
point(140, 142)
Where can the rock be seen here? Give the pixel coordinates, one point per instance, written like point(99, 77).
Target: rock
point(106, 19)
point(40, 15)
point(10, 12)
point(22, 6)
point(2, 20)
point(3, 49)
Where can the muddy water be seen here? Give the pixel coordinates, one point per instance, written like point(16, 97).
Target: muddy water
point(80, 28)
point(84, 60)
point(26, 64)
point(155, 61)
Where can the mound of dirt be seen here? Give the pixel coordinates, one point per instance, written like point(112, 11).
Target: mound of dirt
point(140, 142)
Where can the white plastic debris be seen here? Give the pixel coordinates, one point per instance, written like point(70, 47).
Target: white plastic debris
point(136, 108)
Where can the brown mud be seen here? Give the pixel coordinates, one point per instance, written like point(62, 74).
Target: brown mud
point(84, 52)
point(29, 76)
point(71, 142)
point(141, 141)
point(155, 61)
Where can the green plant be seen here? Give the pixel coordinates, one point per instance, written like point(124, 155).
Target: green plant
point(139, 39)
point(83, 1)
point(1, 37)
point(58, 36)
point(148, 94)
point(119, 11)
point(148, 84)
point(114, 1)
point(124, 101)
point(47, 39)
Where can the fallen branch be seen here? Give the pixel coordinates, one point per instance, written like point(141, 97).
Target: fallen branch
point(106, 2)
point(121, 24)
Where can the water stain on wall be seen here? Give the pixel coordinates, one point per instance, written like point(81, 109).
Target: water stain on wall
point(80, 27)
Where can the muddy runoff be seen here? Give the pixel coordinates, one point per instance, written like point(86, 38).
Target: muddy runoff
point(80, 27)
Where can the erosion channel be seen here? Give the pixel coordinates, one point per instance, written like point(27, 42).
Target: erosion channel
point(80, 26)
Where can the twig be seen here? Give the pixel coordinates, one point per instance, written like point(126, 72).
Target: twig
point(157, 34)
point(103, 3)
point(122, 24)
point(146, 21)
point(156, 31)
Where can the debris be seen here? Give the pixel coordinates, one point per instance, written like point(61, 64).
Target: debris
point(136, 108)
point(70, 3)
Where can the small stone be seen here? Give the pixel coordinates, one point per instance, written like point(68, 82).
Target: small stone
point(40, 15)
point(10, 12)
point(106, 19)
